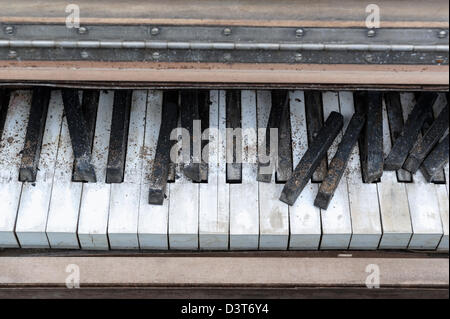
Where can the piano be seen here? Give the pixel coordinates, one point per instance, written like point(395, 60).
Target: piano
point(180, 141)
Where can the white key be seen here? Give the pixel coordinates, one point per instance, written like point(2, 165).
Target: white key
point(244, 214)
point(94, 208)
point(273, 214)
point(395, 216)
point(304, 217)
point(35, 200)
point(423, 201)
point(11, 145)
point(124, 205)
point(214, 211)
point(64, 208)
point(336, 220)
point(153, 219)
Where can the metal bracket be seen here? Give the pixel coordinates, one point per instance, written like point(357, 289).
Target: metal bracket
point(149, 43)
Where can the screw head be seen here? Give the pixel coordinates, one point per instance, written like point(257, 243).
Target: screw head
point(371, 33)
point(369, 58)
point(154, 31)
point(442, 34)
point(84, 54)
point(12, 54)
point(299, 33)
point(439, 60)
point(227, 57)
point(298, 57)
point(156, 55)
point(9, 29)
point(82, 30)
point(227, 31)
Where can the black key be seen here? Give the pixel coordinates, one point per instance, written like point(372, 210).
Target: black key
point(119, 136)
point(161, 163)
point(79, 136)
point(285, 164)
point(400, 149)
point(265, 168)
point(436, 160)
point(234, 152)
point(4, 102)
point(425, 144)
point(339, 162)
point(371, 139)
point(89, 107)
point(190, 117)
point(312, 158)
point(204, 106)
point(395, 119)
point(314, 122)
point(35, 132)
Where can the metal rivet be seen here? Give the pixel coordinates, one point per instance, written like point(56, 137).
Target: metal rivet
point(82, 30)
point(84, 54)
point(227, 31)
point(439, 60)
point(9, 29)
point(154, 31)
point(227, 57)
point(369, 58)
point(155, 55)
point(299, 33)
point(12, 54)
point(371, 33)
point(442, 34)
point(298, 57)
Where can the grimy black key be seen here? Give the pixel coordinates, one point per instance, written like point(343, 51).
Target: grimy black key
point(190, 112)
point(79, 136)
point(160, 170)
point(119, 136)
point(234, 141)
point(314, 122)
point(35, 132)
point(371, 140)
point(436, 160)
point(89, 107)
point(339, 162)
point(4, 103)
point(204, 105)
point(395, 120)
point(285, 164)
point(309, 162)
point(400, 149)
point(425, 144)
point(265, 170)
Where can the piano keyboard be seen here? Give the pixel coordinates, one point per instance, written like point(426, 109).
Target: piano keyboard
point(70, 184)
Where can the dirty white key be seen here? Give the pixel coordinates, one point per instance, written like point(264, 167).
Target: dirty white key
point(273, 214)
point(244, 214)
point(423, 201)
point(336, 220)
point(64, 208)
point(35, 200)
point(214, 196)
point(94, 208)
point(124, 205)
point(11, 145)
point(395, 216)
point(153, 219)
point(304, 217)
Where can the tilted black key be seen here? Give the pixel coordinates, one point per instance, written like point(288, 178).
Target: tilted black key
point(119, 136)
point(371, 140)
point(89, 107)
point(4, 103)
point(161, 163)
point(309, 162)
point(234, 141)
point(35, 132)
point(314, 122)
point(265, 169)
point(425, 144)
point(339, 162)
point(436, 160)
point(285, 164)
point(395, 120)
point(403, 144)
point(79, 136)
